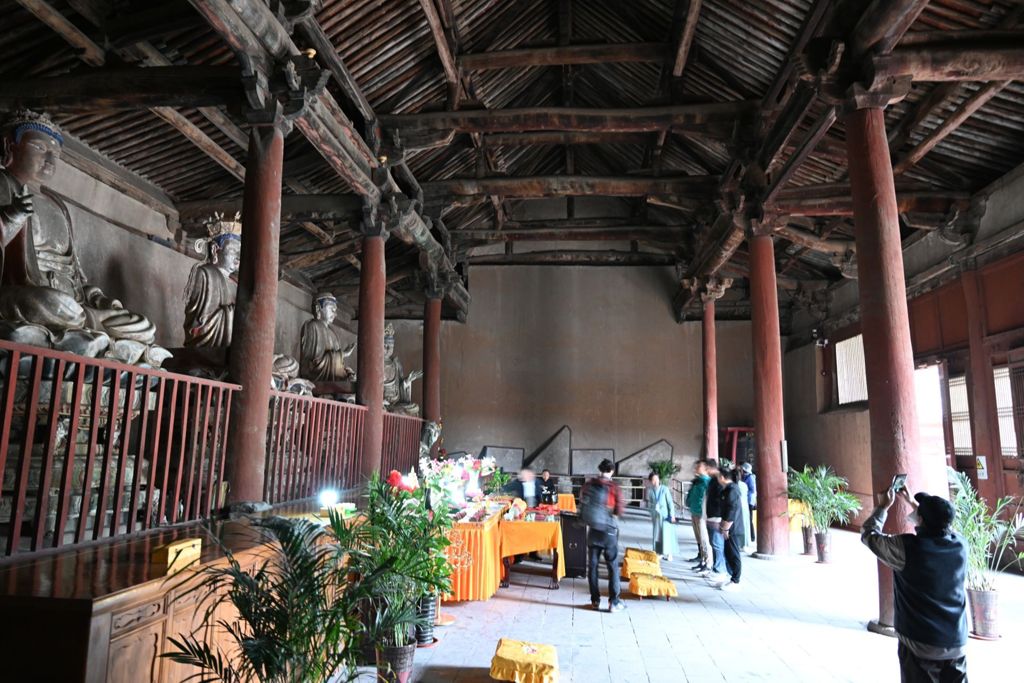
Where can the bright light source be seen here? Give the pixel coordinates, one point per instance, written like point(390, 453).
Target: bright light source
point(328, 498)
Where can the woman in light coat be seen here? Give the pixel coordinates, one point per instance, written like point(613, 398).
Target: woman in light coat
point(663, 515)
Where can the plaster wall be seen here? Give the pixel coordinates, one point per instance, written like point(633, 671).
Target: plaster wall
point(593, 348)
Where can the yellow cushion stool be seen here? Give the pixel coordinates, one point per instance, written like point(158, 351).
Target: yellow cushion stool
point(648, 555)
point(638, 561)
point(645, 586)
point(522, 662)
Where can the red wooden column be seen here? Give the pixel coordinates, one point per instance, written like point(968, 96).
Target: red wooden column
point(984, 420)
point(370, 356)
point(432, 357)
point(713, 290)
point(888, 356)
point(252, 334)
point(710, 380)
point(772, 506)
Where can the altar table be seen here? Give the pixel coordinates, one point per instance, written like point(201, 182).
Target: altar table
point(477, 571)
point(520, 537)
point(566, 502)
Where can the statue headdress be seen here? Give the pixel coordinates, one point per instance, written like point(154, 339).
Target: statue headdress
point(389, 331)
point(325, 296)
point(220, 230)
point(25, 120)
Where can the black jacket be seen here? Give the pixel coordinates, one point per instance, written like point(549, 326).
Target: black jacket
point(732, 508)
point(713, 504)
point(548, 490)
point(515, 488)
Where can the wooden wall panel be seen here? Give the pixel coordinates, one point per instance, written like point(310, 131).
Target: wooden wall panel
point(1003, 286)
point(925, 330)
point(952, 311)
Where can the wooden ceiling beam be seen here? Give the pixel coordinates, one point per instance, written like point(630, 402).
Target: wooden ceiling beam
point(638, 120)
point(952, 122)
point(686, 37)
point(989, 62)
point(577, 185)
point(841, 205)
point(621, 234)
point(566, 138)
point(335, 207)
point(564, 55)
point(329, 57)
point(444, 52)
point(574, 258)
point(126, 89)
point(90, 53)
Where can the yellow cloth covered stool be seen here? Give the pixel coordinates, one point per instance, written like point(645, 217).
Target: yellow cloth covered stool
point(522, 662)
point(648, 555)
point(632, 565)
point(646, 585)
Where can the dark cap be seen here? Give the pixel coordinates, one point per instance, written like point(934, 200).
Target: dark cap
point(935, 513)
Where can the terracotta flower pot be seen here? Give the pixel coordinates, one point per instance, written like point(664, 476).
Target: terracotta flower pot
point(394, 664)
point(823, 542)
point(808, 534)
point(984, 613)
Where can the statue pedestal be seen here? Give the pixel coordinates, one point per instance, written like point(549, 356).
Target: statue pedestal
point(211, 362)
point(343, 391)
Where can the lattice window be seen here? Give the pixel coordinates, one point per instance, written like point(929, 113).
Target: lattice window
point(960, 416)
point(851, 382)
point(1009, 386)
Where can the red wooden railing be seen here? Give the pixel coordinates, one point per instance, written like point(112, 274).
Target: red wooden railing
point(401, 443)
point(93, 449)
point(312, 444)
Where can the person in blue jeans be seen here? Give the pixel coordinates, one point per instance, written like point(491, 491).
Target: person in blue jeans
point(601, 506)
point(713, 509)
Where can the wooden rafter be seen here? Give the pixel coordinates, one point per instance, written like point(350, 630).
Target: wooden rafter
point(91, 53)
point(577, 185)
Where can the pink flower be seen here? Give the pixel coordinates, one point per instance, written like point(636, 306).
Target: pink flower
point(465, 475)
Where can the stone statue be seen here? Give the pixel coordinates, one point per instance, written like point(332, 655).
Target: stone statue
point(46, 299)
point(429, 435)
point(210, 294)
point(322, 352)
point(397, 385)
point(284, 376)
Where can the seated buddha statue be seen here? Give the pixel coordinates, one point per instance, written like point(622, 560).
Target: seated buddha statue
point(46, 298)
point(322, 352)
point(397, 385)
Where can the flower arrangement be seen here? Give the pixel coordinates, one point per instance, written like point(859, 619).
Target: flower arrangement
point(408, 482)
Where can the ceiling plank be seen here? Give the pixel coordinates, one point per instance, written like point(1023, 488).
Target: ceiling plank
point(564, 55)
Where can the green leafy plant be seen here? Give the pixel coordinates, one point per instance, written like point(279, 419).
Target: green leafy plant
point(826, 495)
point(799, 483)
point(989, 534)
point(665, 469)
point(295, 611)
point(498, 481)
point(401, 543)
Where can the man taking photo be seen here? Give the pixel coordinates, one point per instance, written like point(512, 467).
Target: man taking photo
point(929, 568)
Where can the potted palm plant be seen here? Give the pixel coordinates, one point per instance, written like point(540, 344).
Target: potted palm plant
point(830, 504)
point(295, 612)
point(397, 530)
point(991, 537)
point(665, 469)
point(798, 487)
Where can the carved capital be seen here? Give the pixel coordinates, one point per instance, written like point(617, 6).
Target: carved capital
point(827, 63)
point(276, 99)
point(714, 288)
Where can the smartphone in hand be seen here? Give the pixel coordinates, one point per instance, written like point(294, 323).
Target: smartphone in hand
point(899, 482)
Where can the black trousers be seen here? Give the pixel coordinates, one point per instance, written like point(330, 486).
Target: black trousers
point(606, 544)
point(753, 531)
point(733, 557)
point(913, 669)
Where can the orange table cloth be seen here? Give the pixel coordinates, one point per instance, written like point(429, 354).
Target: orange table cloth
point(476, 572)
point(519, 537)
point(566, 502)
point(522, 662)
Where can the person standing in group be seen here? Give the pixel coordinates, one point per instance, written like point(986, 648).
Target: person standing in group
point(750, 479)
point(695, 503)
point(713, 507)
point(737, 480)
point(731, 531)
point(663, 517)
point(929, 569)
point(601, 504)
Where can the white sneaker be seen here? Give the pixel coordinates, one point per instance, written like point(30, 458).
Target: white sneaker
point(716, 578)
point(729, 586)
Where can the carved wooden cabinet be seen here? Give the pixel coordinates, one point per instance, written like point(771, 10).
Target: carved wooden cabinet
point(97, 614)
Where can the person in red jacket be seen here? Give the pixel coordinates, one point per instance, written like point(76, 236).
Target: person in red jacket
point(601, 506)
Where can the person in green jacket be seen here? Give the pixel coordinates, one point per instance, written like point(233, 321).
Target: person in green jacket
point(695, 502)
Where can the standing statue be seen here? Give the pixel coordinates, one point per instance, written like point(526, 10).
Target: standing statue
point(397, 385)
point(429, 436)
point(321, 349)
point(45, 299)
point(210, 294)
